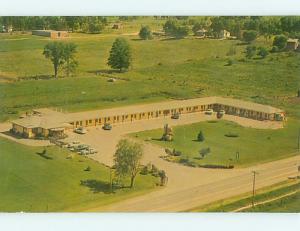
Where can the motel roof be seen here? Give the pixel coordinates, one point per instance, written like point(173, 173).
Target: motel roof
point(47, 118)
point(172, 104)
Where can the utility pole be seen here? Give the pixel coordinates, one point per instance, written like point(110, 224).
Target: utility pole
point(299, 140)
point(253, 187)
point(111, 181)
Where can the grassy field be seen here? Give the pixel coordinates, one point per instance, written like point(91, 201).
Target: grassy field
point(30, 182)
point(161, 69)
point(285, 204)
point(253, 145)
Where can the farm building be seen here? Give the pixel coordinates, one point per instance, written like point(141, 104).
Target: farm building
point(201, 33)
point(45, 122)
point(50, 33)
point(292, 44)
point(224, 34)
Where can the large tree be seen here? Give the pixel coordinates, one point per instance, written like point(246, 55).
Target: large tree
point(249, 36)
point(280, 41)
point(55, 52)
point(60, 53)
point(120, 55)
point(145, 33)
point(127, 159)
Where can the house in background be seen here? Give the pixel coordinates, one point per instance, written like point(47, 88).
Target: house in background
point(292, 44)
point(224, 34)
point(117, 26)
point(53, 34)
point(201, 33)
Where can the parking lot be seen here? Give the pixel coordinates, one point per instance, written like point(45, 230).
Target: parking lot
point(105, 141)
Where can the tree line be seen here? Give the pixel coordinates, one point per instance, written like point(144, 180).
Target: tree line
point(174, 25)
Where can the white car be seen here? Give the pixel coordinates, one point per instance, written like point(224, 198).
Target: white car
point(80, 130)
point(209, 112)
point(92, 151)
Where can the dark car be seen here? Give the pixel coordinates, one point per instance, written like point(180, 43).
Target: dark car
point(175, 116)
point(107, 126)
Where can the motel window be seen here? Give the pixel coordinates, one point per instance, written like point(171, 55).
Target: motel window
point(90, 121)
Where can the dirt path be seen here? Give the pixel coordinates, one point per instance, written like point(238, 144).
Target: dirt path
point(266, 201)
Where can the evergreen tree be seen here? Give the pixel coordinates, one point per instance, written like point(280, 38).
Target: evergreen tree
point(145, 33)
point(120, 55)
point(200, 137)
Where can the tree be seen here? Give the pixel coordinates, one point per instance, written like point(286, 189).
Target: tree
point(250, 51)
point(71, 63)
point(120, 55)
point(55, 52)
point(127, 159)
point(173, 28)
point(200, 136)
point(262, 52)
point(249, 36)
point(280, 41)
point(181, 32)
point(145, 33)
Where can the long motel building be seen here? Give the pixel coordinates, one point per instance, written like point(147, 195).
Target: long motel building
point(46, 122)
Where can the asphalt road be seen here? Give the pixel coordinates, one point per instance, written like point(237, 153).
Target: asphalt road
point(234, 183)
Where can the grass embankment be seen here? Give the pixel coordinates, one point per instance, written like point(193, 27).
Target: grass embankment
point(281, 204)
point(254, 145)
point(161, 69)
point(33, 183)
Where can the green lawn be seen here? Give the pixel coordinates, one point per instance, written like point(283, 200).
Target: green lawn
point(285, 204)
point(161, 69)
point(254, 145)
point(30, 182)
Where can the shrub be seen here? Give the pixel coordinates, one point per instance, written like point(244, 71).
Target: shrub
point(280, 41)
point(204, 151)
point(145, 33)
point(200, 137)
point(183, 160)
point(229, 62)
point(176, 153)
point(250, 51)
point(87, 169)
point(230, 134)
point(168, 151)
point(262, 52)
point(249, 36)
point(144, 170)
point(274, 49)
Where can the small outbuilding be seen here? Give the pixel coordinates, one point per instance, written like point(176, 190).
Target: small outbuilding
point(53, 34)
point(201, 33)
point(292, 44)
point(224, 34)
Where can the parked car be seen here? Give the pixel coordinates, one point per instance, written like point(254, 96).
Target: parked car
point(92, 151)
point(209, 112)
point(220, 114)
point(107, 126)
point(82, 147)
point(80, 130)
point(83, 152)
point(175, 116)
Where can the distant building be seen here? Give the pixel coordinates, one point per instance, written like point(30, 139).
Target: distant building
point(224, 34)
point(50, 33)
point(292, 44)
point(201, 33)
point(117, 26)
